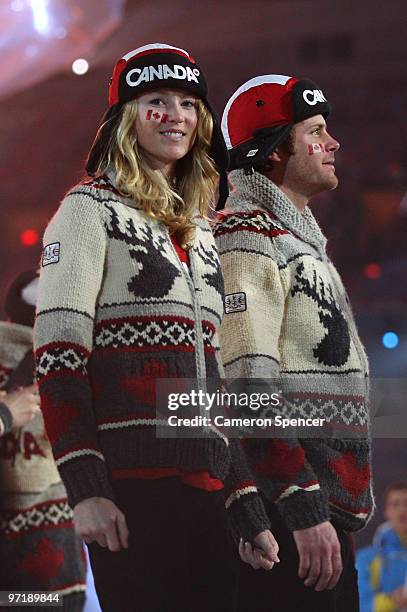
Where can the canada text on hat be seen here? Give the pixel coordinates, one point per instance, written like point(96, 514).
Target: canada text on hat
point(269, 101)
point(152, 67)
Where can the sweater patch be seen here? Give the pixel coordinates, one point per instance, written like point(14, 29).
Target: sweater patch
point(50, 254)
point(235, 302)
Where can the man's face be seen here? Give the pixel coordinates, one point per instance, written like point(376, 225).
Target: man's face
point(396, 510)
point(310, 169)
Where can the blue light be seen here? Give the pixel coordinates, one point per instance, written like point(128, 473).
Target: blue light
point(390, 340)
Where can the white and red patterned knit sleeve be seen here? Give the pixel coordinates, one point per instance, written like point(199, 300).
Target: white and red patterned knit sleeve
point(71, 276)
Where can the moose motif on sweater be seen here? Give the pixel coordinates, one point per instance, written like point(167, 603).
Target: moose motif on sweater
point(156, 274)
point(210, 259)
point(334, 348)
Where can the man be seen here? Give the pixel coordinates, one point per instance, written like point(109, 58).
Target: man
point(288, 323)
point(382, 567)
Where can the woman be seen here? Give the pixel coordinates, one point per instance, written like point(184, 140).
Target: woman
point(131, 292)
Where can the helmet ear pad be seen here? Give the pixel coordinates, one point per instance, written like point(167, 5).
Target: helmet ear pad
point(256, 151)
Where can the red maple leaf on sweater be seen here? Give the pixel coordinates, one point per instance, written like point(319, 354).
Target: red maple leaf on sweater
point(281, 461)
point(144, 387)
point(353, 479)
point(58, 417)
point(45, 563)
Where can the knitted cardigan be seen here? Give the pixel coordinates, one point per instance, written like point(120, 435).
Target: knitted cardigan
point(39, 549)
point(289, 320)
point(117, 311)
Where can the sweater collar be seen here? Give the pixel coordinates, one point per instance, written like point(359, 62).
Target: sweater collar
point(259, 190)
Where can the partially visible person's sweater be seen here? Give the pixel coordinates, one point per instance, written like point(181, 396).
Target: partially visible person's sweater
point(289, 325)
point(118, 312)
point(39, 549)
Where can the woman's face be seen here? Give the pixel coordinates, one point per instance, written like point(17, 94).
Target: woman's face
point(166, 126)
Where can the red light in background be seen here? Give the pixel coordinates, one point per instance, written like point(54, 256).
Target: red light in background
point(372, 271)
point(29, 237)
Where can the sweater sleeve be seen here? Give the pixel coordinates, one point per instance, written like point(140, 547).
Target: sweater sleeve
point(72, 270)
point(246, 512)
point(250, 341)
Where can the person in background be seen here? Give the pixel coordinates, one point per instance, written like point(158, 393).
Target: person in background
point(382, 567)
point(39, 550)
point(289, 326)
point(131, 293)
point(18, 408)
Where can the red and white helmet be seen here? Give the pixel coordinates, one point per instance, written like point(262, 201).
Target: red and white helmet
point(261, 113)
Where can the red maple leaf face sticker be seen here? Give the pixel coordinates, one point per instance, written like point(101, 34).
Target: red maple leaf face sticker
point(281, 462)
point(156, 116)
point(45, 563)
point(57, 417)
point(353, 479)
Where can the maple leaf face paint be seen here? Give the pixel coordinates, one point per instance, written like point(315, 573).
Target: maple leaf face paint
point(154, 115)
point(315, 148)
point(166, 125)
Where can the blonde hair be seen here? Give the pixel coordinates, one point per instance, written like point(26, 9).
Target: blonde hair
point(195, 181)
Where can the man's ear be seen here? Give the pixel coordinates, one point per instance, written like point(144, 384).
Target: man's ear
point(275, 155)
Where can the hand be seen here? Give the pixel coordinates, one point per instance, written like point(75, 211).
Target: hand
point(23, 404)
point(263, 554)
point(320, 556)
point(399, 597)
point(98, 519)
